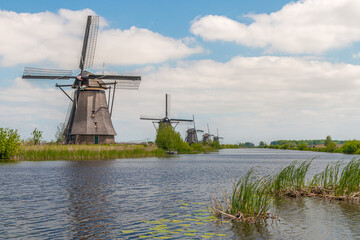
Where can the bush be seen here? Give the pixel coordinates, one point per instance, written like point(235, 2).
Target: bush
point(350, 147)
point(37, 136)
point(167, 138)
point(197, 147)
point(330, 147)
point(215, 144)
point(9, 143)
point(285, 146)
point(302, 146)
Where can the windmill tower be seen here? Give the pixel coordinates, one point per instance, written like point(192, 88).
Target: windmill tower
point(89, 118)
point(207, 136)
point(191, 134)
point(166, 119)
point(217, 138)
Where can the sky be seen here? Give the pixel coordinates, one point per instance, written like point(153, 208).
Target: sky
point(255, 70)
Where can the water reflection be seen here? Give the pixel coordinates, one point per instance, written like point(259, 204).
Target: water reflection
point(350, 212)
point(251, 231)
point(90, 209)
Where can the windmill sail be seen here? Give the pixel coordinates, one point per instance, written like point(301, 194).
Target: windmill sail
point(44, 73)
point(119, 81)
point(89, 44)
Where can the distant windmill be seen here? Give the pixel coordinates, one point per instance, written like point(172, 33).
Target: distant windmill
point(207, 136)
point(217, 138)
point(89, 120)
point(191, 134)
point(166, 119)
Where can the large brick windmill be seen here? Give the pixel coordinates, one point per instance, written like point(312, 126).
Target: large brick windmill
point(89, 118)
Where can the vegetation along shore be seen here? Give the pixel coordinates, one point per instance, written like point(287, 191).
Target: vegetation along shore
point(167, 140)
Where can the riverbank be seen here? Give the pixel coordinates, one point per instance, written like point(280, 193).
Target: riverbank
point(87, 152)
point(97, 152)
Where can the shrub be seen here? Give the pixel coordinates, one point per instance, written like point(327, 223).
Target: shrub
point(285, 146)
point(37, 136)
point(167, 138)
point(197, 147)
point(215, 144)
point(9, 143)
point(330, 147)
point(302, 146)
point(350, 147)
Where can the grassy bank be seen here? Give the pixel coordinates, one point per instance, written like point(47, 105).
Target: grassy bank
point(84, 152)
point(252, 196)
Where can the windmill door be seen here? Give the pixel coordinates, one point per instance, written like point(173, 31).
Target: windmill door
point(96, 139)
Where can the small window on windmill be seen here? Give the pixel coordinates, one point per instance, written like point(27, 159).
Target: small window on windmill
point(96, 125)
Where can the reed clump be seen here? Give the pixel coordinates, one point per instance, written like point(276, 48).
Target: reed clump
point(290, 180)
point(86, 152)
point(252, 196)
point(250, 200)
point(338, 184)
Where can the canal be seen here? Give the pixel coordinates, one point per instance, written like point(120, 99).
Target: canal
point(160, 198)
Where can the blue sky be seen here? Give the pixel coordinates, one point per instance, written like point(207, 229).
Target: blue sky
point(257, 70)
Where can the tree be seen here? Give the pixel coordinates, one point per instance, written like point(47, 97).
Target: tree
point(302, 146)
point(262, 144)
point(328, 141)
point(37, 136)
point(59, 135)
point(249, 145)
point(350, 147)
point(167, 138)
point(9, 143)
point(215, 144)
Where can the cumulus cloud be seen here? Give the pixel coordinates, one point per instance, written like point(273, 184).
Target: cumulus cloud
point(261, 98)
point(57, 37)
point(308, 26)
point(247, 98)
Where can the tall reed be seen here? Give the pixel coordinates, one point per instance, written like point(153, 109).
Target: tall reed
point(329, 178)
point(349, 181)
point(291, 178)
point(250, 199)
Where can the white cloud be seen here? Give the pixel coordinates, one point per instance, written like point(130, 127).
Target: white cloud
point(309, 26)
point(247, 98)
point(140, 46)
point(57, 37)
point(28, 105)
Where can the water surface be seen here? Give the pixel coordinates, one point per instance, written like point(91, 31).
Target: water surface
point(159, 198)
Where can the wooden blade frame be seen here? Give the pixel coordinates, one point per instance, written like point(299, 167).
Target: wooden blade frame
point(89, 43)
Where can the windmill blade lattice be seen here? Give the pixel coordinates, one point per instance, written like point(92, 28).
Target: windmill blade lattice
point(122, 82)
point(89, 44)
point(44, 73)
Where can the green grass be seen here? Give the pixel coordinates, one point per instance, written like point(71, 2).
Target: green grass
point(86, 152)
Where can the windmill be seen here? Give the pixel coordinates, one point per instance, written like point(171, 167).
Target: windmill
point(166, 119)
point(89, 115)
point(207, 136)
point(217, 138)
point(191, 134)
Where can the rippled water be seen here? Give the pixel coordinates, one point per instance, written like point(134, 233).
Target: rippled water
point(158, 198)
